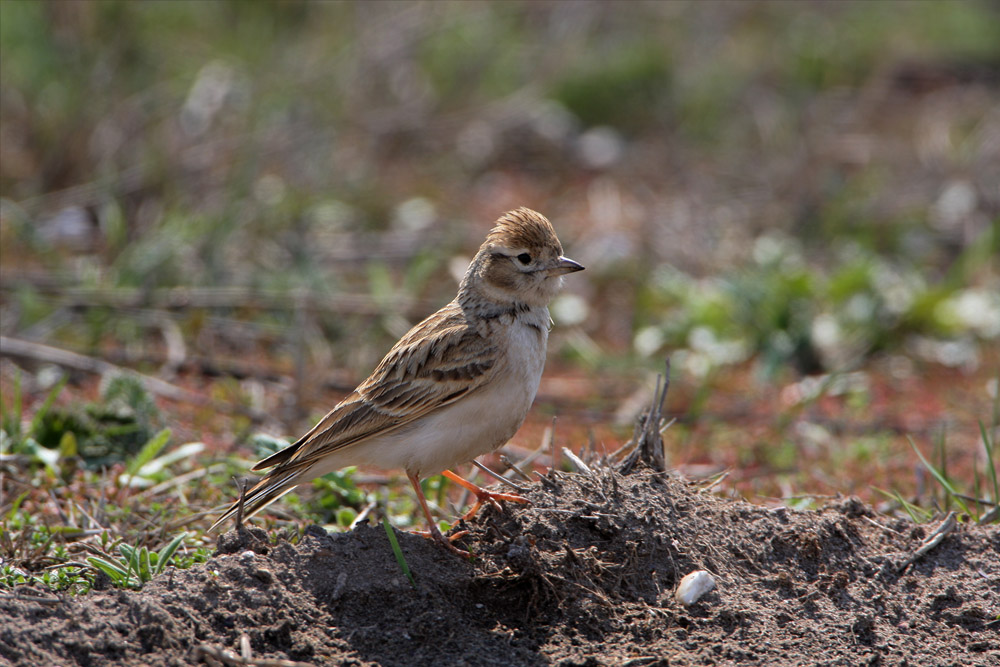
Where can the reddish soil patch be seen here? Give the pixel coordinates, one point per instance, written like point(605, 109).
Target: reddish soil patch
point(583, 576)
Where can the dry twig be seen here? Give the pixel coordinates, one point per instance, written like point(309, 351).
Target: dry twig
point(947, 526)
point(647, 436)
point(499, 477)
point(577, 461)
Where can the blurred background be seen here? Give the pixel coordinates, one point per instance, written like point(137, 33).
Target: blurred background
point(249, 202)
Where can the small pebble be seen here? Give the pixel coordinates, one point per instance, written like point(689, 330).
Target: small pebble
point(693, 586)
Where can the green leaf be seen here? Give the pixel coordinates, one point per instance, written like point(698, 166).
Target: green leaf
point(346, 516)
point(991, 464)
point(148, 452)
point(67, 445)
point(16, 505)
point(167, 552)
point(942, 480)
point(110, 568)
point(144, 569)
point(397, 551)
point(131, 560)
point(917, 515)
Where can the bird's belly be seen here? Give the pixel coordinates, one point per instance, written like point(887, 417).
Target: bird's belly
point(474, 425)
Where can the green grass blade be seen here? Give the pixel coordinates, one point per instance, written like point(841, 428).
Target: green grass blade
point(976, 487)
point(908, 507)
point(148, 452)
point(941, 446)
point(131, 559)
point(145, 568)
point(991, 464)
point(16, 505)
point(110, 568)
point(397, 551)
point(942, 480)
point(167, 552)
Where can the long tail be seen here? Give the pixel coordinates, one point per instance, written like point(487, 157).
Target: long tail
point(266, 491)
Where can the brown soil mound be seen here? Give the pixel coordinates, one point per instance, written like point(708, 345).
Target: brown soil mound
point(583, 576)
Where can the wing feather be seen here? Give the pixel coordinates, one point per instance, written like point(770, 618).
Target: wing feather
point(439, 361)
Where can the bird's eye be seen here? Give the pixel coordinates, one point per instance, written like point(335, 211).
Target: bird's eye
point(524, 258)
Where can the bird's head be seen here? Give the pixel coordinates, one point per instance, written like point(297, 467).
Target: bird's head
point(521, 261)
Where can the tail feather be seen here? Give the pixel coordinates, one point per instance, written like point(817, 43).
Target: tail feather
point(279, 456)
point(263, 493)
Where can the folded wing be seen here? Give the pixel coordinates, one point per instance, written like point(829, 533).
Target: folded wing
point(438, 362)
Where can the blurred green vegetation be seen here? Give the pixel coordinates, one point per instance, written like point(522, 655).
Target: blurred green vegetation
point(332, 147)
point(345, 148)
point(782, 311)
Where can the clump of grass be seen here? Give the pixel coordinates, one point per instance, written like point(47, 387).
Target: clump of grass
point(69, 578)
point(111, 430)
point(978, 505)
point(137, 565)
point(981, 504)
point(57, 504)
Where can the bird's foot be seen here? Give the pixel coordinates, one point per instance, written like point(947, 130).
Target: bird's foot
point(435, 534)
point(482, 495)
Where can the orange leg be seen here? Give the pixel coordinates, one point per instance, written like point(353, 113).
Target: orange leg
point(482, 495)
point(434, 533)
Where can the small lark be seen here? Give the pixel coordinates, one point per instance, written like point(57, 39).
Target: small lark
point(457, 385)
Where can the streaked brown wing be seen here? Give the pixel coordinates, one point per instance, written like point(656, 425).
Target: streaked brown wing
point(439, 361)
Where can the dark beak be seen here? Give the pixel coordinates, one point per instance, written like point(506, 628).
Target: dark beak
point(565, 265)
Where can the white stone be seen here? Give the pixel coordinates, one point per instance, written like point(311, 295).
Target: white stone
point(693, 586)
